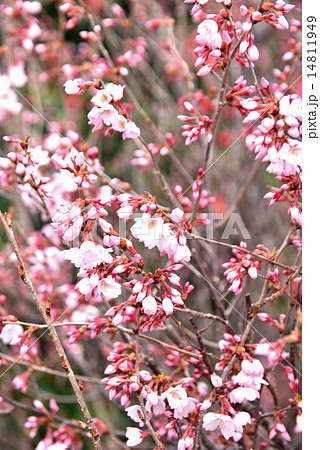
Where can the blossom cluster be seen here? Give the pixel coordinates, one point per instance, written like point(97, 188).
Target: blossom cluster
point(105, 112)
point(166, 330)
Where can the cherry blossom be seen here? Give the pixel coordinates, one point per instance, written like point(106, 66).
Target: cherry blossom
point(8, 332)
point(131, 138)
point(153, 231)
point(88, 255)
point(212, 421)
point(237, 269)
point(274, 351)
point(179, 401)
point(193, 132)
point(250, 379)
point(279, 428)
point(135, 413)
point(107, 103)
point(134, 436)
point(198, 4)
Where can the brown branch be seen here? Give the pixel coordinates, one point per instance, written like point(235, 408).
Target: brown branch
point(40, 413)
point(286, 408)
point(163, 344)
point(45, 369)
point(202, 346)
point(206, 316)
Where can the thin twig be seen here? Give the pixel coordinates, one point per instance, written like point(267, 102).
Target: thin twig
point(48, 370)
point(202, 346)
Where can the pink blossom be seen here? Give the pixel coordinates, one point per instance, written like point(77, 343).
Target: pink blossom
point(134, 436)
point(238, 268)
point(208, 34)
point(279, 427)
point(249, 379)
point(8, 99)
point(111, 92)
point(148, 230)
point(88, 255)
point(17, 74)
point(295, 212)
point(68, 222)
point(119, 123)
point(135, 413)
point(109, 115)
point(109, 287)
point(291, 106)
point(251, 374)
point(154, 402)
point(179, 401)
point(240, 420)
point(244, 394)
point(216, 380)
point(131, 131)
point(298, 426)
point(96, 118)
point(197, 5)
point(167, 305)
point(21, 382)
point(87, 284)
point(194, 131)
point(212, 421)
point(274, 351)
point(185, 442)
point(149, 305)
point(74, 87)
point(9, 332)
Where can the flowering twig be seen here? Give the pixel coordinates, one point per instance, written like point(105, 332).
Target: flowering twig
point(24, 275)
point(143, 409)
point(236, 247)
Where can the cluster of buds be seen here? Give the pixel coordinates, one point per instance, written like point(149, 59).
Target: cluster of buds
point(198, 4)
point(22, 165)
point(105, 112)
point(75, 163)
point(63, 437)
point(273, 14)
point(239, 267)
point(214, 43)
point(203, 127)
point(129, 203)
point(156, 297)
point(167, 235)
point(249, 380)
point(73, 12)
point(80, 215)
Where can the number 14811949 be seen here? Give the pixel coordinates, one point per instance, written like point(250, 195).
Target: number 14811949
point(311, 47)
